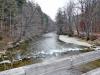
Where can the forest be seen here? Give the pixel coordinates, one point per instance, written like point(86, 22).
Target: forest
point(21, 19)
point(81, 18)
point(28, 35)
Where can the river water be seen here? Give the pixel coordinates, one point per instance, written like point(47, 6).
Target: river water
point(49, 47)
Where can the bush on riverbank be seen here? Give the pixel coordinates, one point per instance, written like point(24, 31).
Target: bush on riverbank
point(86, 50)
point(97, 42)
point(1, 38)
point(16, 64)
point(10, 55)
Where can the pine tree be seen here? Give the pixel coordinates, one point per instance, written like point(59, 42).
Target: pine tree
point(9, 8)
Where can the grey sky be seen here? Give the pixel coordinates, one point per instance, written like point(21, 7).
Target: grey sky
point(50, 7)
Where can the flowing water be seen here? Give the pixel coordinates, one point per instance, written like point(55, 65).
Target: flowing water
point(49, 47)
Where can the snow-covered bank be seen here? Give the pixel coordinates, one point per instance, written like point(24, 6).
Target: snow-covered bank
point(73, 40)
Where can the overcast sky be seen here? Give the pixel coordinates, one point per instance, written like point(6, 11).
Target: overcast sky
point(50, 7)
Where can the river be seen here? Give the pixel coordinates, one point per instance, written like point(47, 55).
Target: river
point(49, 47)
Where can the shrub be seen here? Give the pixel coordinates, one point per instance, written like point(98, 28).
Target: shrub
point(92, 38)
point(1, 38)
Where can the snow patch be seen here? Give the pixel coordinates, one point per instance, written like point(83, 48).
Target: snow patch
point(73, 40)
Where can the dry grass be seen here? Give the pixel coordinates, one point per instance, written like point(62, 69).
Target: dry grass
point(89, 66)
point(15, 64)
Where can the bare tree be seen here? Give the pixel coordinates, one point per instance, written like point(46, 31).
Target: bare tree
point(88, 16)
point(69, 14)
point(76, 18)
point(59, 21)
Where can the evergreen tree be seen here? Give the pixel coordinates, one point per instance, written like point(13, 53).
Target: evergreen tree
point(20, 3)
point(8, 9)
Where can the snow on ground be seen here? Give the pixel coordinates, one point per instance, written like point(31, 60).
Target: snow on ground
point(73, 40)
point(6, 61)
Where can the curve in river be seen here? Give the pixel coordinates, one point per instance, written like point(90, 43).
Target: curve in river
point(48, 46)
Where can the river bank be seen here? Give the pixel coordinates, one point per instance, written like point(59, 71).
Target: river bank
point(43, 48)
point(73, 40)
